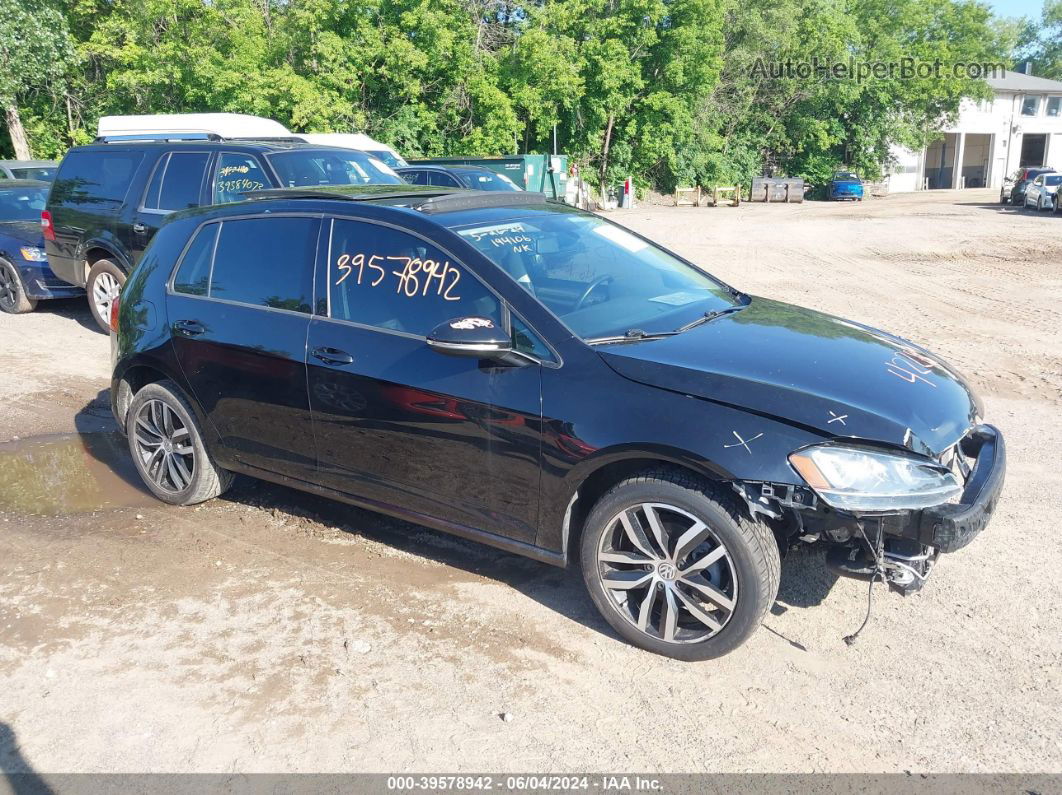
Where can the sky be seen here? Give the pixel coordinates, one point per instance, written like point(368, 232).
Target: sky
point(1017, 8)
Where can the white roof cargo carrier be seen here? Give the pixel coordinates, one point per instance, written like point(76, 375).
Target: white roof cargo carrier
point(190, 125)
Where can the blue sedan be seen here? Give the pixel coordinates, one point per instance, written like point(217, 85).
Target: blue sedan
point(25, 277)
point(845, 185)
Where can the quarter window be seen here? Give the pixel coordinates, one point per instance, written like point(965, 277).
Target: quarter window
point(193, 277)
point(235, 175)
point(95, 176)
point(389, 279)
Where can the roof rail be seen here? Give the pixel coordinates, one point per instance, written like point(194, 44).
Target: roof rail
point(475, 199)
point(160, 137)
point(352, 193)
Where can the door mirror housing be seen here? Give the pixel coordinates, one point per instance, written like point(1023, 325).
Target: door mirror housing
point(471, 337)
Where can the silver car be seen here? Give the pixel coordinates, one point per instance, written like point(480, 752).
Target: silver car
point(1042, 192)
point(28, 169)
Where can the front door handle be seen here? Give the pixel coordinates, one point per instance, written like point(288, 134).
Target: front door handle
point(332, 356)
point(139, 228)
point(189, 328)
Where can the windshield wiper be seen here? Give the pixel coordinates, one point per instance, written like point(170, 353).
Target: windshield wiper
point(709, 316)
point(631, 335)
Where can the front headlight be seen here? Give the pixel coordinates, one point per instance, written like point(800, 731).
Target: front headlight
point(855, 479)
point(33, 254)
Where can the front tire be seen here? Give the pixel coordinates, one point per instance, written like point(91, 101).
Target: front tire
point(13, 298)
point(167, 447)
point(103, 285)
point(676, 568)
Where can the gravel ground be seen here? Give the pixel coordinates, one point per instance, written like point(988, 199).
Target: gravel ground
point(272, 631)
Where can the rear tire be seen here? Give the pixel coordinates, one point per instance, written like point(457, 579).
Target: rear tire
point(166, 443)
point(13, 298)
point(675, 566)
point(103, 285)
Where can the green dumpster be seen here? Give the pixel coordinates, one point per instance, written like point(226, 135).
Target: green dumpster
point(543, 173)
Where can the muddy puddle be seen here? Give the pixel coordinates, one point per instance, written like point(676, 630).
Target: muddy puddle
point(69, 473)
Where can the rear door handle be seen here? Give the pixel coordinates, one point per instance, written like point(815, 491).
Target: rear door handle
point(189, 328)
point(332, 356)
point(139, 228)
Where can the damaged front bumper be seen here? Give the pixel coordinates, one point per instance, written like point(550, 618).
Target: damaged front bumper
point(902, 547)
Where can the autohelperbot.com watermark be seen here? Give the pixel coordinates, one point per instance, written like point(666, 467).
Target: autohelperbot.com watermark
point(815, 68)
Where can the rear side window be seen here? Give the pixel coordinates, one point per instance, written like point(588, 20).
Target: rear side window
point(95, 176)
point(442, 180)
point(266, 262)
point(193, 277)
point(177, 181)
point(389, 279)
point(415, 177)
point(235, 175)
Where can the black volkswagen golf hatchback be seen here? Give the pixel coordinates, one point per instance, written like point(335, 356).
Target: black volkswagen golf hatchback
point(528, 375)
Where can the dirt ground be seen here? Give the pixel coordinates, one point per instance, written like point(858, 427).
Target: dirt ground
point(272, 631)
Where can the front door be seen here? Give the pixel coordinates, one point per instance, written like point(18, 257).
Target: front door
point(239, 314)
point(399, 424)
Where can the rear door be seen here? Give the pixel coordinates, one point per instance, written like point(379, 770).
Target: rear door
point(239, 310)
point(400, 424)
point(176, 183)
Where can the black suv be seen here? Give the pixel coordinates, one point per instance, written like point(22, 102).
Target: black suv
point(532, 376)
point(109, 199)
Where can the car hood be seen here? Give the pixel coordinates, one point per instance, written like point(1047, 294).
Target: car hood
point(25, 231)
point(807, 368)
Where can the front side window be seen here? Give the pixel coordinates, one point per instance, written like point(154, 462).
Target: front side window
point(488, 180)
point(1053, 180)
point(309, 167)
point(389, 279)
point(236, 174)
point(259, 261)
point(600, 279)
point(1030, 106)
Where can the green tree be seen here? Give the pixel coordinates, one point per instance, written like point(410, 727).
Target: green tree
point(35, 52)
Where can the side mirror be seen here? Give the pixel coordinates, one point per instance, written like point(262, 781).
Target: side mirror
point(473, 337)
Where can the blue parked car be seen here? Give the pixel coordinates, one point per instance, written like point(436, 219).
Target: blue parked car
point(25, 277)
point(845, 185)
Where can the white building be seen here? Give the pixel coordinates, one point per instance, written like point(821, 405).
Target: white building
point(1020, 126)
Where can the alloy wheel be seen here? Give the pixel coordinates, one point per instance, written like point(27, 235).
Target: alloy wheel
point(164, 446)
point(105, 289)
point(9, 287)
point(667, 573)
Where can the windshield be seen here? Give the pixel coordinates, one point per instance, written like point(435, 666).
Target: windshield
point(46, 173)
point(845, 175)
point(598, 278)
point(22, 204)
point(486, 180)
point(302, 167)
point(390, 158)
point(1053, 179)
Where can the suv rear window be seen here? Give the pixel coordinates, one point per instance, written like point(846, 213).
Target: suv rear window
point(260, 261)
point(93, 176)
